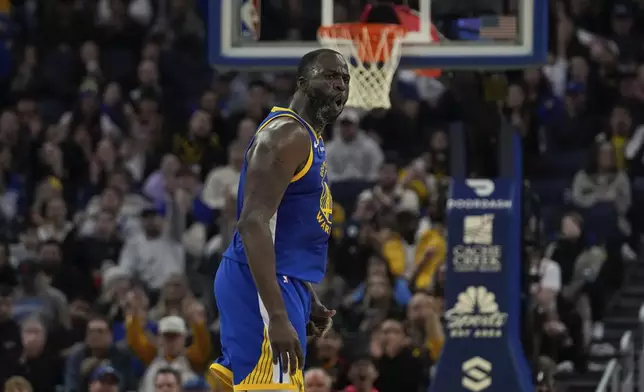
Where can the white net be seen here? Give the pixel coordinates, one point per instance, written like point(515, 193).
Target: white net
point(373, 53)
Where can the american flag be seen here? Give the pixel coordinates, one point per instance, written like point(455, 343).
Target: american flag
point(498, 27)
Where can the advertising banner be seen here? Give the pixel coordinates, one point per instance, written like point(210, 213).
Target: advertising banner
point(482, 350)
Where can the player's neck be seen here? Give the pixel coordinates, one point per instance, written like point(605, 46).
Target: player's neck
point(300, 105)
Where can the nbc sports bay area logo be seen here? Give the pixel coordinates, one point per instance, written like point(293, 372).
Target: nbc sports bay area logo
point(475, 315)
point(476, 374)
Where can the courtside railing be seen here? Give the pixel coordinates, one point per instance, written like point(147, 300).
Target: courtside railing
point(619, 375)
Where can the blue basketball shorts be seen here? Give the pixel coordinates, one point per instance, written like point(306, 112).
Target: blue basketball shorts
point(247, 360)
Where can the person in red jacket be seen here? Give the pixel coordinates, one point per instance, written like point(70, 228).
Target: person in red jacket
point(362, 374)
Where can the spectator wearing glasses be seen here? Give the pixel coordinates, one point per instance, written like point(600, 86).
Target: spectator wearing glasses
point(98, 344)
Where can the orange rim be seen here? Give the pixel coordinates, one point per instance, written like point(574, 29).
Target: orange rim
point(373, 41)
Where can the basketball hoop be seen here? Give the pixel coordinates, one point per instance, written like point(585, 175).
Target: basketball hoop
point(373, 53)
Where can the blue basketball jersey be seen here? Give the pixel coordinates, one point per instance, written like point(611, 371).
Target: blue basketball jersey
point(302, 224)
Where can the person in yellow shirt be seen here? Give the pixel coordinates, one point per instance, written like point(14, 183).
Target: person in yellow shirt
point(424, 324)
point(415, 257)
point(197, 353)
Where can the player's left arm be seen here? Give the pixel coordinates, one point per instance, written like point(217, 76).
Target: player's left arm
point(321, 316)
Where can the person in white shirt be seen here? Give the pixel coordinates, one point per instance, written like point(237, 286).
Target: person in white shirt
point(389, 194)
point(222, 181)
point(156, 254)
point(352, 154)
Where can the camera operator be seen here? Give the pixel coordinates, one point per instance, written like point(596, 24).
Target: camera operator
point(580, 265)
point(545, 286)
point(545, 377)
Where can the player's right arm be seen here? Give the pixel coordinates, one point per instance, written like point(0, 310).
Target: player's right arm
point(276, 155)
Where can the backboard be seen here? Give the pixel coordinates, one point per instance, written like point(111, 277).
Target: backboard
point(254, 34)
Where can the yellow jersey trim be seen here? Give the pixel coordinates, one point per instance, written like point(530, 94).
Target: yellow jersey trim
point(309, 161)
point(281, 109)
point(261, 377)
point(307, 166)
point(222, 373)
point(266, 387)
point(263, 372)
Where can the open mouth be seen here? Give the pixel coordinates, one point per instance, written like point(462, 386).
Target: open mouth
point(338, 102)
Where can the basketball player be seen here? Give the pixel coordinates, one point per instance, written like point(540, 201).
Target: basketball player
point(263, 285)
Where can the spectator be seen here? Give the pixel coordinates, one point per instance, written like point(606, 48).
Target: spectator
point(388, 195)
point(79, 314)
point(351, 154)
point(17, 384)
point(87, 114)
point(424, 325)
point(198, 217)
point(102, 163)
point(171, 350)
point(397, 358)
point(429, 250)
point(545, 375)
point(98, 344)
point(196, 385)
point(10, 344)
point(41, 364)
point(200, 147)
point(221, 183)
point(362, 374)
point(157, 183)
point(379, 267)
point(246, 130)
point(148, 81)
point(174, 294)
point(316, 380)
point(580, 266)
point(167, 380)
point(131, 203)
point(122, 305)
point(377, 305)
point(326, 355)
point(62, 274)
point(55, 226)
point(154, 256)
point(256, 106)
point(27, 247)
point(36, 296)
point(602, 184)
point(112, 200)
point(546, 281)
point(104, 379)
point(115, 284)
point(102, 247)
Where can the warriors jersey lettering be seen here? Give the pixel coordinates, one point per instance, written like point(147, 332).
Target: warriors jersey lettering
point(302, 224)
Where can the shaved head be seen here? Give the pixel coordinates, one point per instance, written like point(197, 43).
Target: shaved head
point(308, 61)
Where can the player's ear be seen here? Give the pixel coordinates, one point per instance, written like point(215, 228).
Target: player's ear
point(301, 83)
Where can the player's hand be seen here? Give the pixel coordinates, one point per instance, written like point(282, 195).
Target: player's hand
point(321, 320)
point(285, 344)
